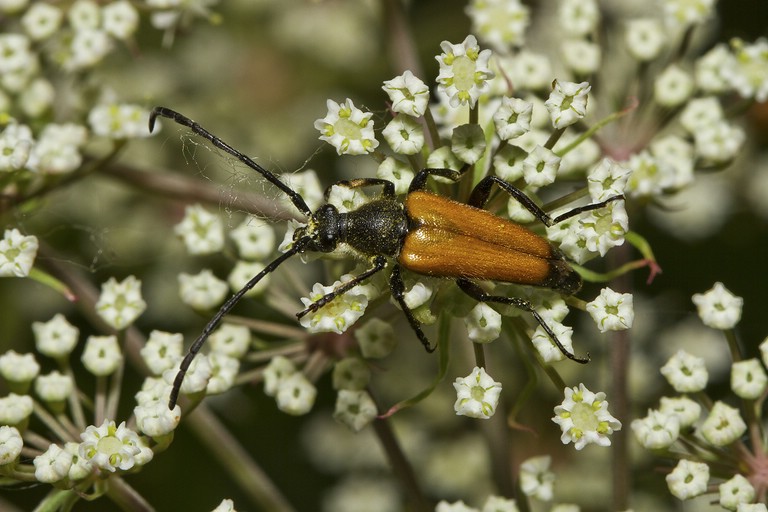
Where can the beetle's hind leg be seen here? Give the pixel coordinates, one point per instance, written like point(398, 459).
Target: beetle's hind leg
point(480, 295)
point(482, 191)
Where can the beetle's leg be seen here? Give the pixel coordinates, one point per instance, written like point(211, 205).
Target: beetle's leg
point(398, 293)
point(480, 295)
point(214, 322)
point(420, 180)
point(183, 120)
point(388, 188)
point(379, 263)
point(482, 191)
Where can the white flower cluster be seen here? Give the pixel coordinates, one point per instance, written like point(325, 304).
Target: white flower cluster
point(712, 425)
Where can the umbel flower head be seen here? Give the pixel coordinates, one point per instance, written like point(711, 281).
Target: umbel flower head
point(584, 418)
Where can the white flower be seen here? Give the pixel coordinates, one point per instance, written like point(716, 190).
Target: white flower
point(604, 228)
point(483, 323)
point(119, 121)
point(718, 308)
point(307, 185)
point(714, 70)
point(155, 419)
point(355, 409)
point(681, 13)
point(468, 143)
point(567, 103)
point(584, 418)
point(110, 447)
point(685, 373)
point(687, 411)
point(351, 373)
point(120, 303)
point(16, 143)
point(376, 339)
point(700, 113)
point(162, 351)
point(736, 491)
point(201, 231)
point(748, 379)
point(500, 23)
point(17, 253)
point(579, 18)
point(15, 53)
point(53, 465)
point(54, 387)
point(477, 394)
point(84, 14)
point(41, 20)
point(607, 179)
point(223, 373)
point(277, 371)
point(336, 316)
point(546, 347)
point(10, 444)
point(14, 409)
point(512, 118)
point(243, 272)
point(457, 506)
point(55, 338)
point(540, 167)
point(464, 72)
point(120, 19)
point(672, 87)
point(657, 430)
point(650, 176)
point(255, 239)
point(101, 355)
point(688, 479)
point(231, 340)
point(645, 38)
point(15, 367)
point(582, 57)
point(295, 394)
point(202, 291)
point(397, 172)
point(532, 71)
point(676, 157)
point(508, 163)
point(153, 389)
point(347, 128)
point(536, 480)
point(225, 506)
point(723, 426)
point(408, 94)
point(612, 311)
point(197, 376)
point(37, 98)
point(718, 143)
point(88, 47)
point(750, 75)
point(499, 504)
point(404, 135)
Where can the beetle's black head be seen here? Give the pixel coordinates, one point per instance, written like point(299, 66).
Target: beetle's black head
point(321, 231)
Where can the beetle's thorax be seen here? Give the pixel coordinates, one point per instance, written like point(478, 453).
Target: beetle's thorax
point(375, 228)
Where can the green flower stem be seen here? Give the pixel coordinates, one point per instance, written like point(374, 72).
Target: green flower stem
point(530, 383)
point(235, 460)
point(51, 423)
point(593, 129)
point(58, 500)
point(552, 140)
point(281, 331)
point(75, 404)
point(401, 467)
point(479, 354)
point(48, 280)
point(116, 382)
point(100, 401)
point(434, 135)
point(126, 497)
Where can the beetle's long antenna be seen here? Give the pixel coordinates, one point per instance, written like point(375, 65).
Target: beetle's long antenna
point(298, 246)
point(183, 120)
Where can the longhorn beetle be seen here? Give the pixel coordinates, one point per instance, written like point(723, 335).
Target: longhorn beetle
point(427, 234)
